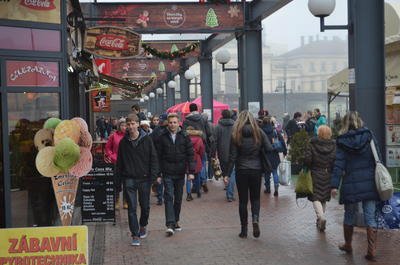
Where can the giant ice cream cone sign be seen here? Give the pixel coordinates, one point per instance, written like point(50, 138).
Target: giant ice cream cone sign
point(64, 156)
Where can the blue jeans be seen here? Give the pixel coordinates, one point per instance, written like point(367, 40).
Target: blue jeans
point(160, 190)
point(203, 172)
point(195, 183)
point(133, 188)
point(173, 199)
point(369, 209)
point(230, 189)
point(267, 179)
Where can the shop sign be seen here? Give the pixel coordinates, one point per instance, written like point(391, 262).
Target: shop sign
point(47, 11)
point(31, 73)
point(101, 99)
point(174, 17)
point(103, 66)
point(38, 4)
point(44, 245)
point(112, 42)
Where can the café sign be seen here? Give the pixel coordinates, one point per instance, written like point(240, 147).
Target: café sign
point(112, 42)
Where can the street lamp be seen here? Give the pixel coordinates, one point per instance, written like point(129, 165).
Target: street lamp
point(159, 106)
point(322, 9)
point(171, 84)
point(223, 57)
point(189, 75)
point(152, 103)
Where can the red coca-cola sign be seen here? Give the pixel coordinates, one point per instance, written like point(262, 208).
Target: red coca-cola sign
point(112, 42)
point(38, 4)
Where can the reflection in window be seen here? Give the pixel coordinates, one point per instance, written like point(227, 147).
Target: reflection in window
point(32, 197)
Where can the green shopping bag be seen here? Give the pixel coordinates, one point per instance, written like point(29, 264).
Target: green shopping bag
point(304, 185)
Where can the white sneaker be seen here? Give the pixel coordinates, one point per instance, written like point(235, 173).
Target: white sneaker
point(169, 231)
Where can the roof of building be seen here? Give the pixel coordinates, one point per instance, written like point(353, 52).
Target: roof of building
point(335, 46)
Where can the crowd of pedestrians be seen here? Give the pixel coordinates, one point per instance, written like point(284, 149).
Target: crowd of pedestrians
point(170, 155)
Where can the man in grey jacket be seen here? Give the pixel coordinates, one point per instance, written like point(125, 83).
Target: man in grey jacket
point(223, 134)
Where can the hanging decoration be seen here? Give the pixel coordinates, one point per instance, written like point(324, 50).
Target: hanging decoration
point(170, 55)
point(138, 87)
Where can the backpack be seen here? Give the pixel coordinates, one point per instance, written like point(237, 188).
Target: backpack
point(276, 143)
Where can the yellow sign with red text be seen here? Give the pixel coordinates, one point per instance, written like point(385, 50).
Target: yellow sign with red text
point(44, 245)
point(48, 11)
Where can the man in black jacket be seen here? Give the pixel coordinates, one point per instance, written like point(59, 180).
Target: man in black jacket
point(175, 152)
point(137, 164)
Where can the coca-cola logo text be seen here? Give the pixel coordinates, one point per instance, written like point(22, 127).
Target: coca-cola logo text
point(38, 4)
point(112, 42)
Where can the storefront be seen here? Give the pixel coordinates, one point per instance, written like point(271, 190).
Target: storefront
point(33, 87)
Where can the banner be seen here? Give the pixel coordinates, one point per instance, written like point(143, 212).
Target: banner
point(112, 42)
point(101, 100)
point(44, 245)
point(47, 11)
point(65, 188)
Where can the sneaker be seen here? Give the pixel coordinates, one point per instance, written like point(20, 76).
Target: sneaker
point(177, 227)
point(230, 199)
point(169, 231)
point(189, 197)
point(205, 188)
point(135, 241)
point(143, 232)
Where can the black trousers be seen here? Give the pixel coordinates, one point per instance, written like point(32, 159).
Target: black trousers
point(248, 183)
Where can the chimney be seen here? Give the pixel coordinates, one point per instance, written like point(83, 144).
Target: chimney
point(310, 39)
point(302, 40)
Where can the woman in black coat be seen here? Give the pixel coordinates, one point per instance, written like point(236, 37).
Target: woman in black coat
point(319, 158)
point(274, 137)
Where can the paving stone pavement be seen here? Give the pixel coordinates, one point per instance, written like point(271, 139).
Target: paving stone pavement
point(210, 236)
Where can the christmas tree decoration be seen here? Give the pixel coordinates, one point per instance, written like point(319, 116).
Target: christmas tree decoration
point(161, 67)
point(211, 18)
point(170, 55)
point(174, 48)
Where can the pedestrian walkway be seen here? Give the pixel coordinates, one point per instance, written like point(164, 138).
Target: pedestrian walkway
point(210, 236)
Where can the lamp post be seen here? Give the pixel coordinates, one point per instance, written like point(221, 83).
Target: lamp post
point(366, 57)
point(152, 102)
point(189, 75)
point(171, 93)
point(159, 100)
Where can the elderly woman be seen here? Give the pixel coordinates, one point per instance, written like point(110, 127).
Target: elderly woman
point(319, 157)
point(354, 171)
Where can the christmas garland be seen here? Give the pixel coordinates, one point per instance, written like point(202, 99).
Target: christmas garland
point(215, 1)
point(170, 55)
point(138, 87)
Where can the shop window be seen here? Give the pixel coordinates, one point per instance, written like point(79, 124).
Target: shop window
point(14, 38)
point(32, 197)
point(32, 73)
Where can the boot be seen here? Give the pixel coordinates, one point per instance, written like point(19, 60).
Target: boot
point(243, 231)
point(371, 237)
point(189, 197)
point(348, 236)
point(256, 227)
point(276, 194)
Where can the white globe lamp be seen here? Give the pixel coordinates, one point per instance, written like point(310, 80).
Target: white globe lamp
point(321, 8)
point(152, 95)
point(189, 74)
point(223, 56)
point(171, 84)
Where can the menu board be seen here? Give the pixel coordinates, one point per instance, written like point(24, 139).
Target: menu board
point(98, 194)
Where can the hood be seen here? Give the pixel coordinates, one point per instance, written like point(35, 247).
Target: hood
point(141, 135)
point(194, 116)
point(268, 128)
point(226, 122)
point(195, 133)
point(322, 146)
point(355, 141)
point(247, 131)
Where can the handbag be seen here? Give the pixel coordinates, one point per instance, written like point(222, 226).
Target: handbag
point(284, 172)
point(388, 213)
point(383, 179)
point(276, 144)
point(304, 185)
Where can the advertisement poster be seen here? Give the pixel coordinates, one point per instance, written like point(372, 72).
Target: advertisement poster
point(393, 114)
point(101, 100)
point(44, 245)
point(47, 11)
point(392, 134)
point(393, 156)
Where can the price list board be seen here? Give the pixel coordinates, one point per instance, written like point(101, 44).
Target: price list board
point(98, 193)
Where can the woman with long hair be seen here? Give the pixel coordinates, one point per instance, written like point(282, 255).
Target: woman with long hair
point(354, 171)
point(248, 141)
point(319, 157)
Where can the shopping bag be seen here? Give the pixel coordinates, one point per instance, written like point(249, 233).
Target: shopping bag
point(285, 172)
point(383, 179)
point(304, 185)
point(388, 213)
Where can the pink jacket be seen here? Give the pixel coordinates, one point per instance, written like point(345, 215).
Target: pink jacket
point(198, 147)
point(112, 145)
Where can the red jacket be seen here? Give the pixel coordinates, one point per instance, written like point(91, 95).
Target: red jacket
point(112, 145)
point(198, 147)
